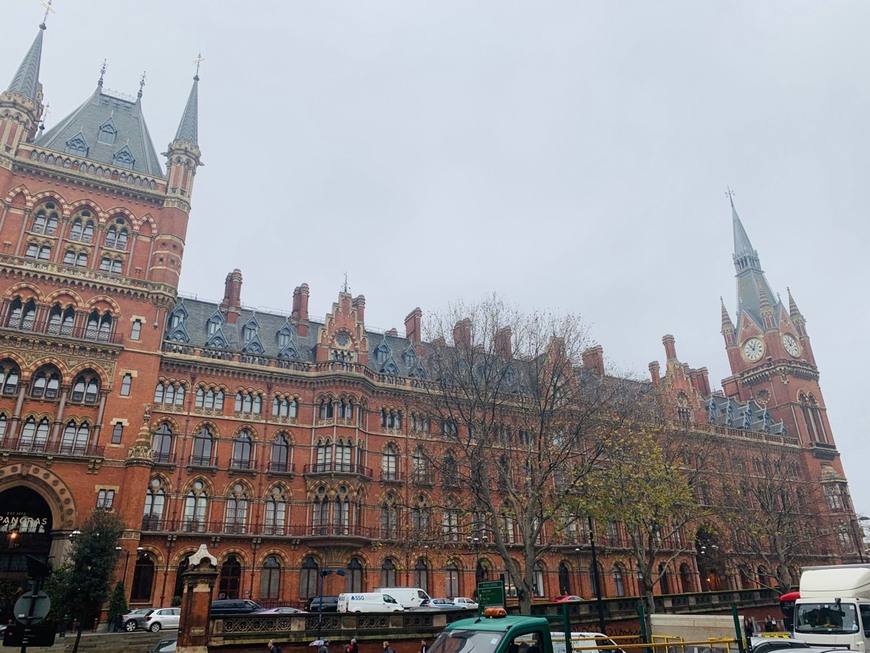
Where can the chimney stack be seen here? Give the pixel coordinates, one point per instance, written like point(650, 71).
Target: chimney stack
point(503, 343)
point(232, 301)
point(654, 374)
point(462, 333)
point(300, 309)
point(593, 360)
point(413, 325)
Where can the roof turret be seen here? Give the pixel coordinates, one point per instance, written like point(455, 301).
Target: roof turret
point(188, 128)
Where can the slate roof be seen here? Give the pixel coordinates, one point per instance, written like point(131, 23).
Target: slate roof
point(392, 356)
point(751, 282)
point(188, 128)
point(132, 146)
point(749, 416)
point(26, 80)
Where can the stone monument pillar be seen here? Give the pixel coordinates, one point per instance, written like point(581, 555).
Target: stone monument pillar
point(199, 580)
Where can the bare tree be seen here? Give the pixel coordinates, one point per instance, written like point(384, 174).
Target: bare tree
point(520, 423)
point(772, 512)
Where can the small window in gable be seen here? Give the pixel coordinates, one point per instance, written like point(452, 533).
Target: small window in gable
point(214, 323)
point(382, 352)
point(77, 145)
point(107, 133)
point(124, 158)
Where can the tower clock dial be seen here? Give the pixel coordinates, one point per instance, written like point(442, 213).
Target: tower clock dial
point(791, 345)
point(753, 349)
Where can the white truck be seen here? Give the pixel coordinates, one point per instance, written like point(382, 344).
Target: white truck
point(834, 607)
point(408, 597)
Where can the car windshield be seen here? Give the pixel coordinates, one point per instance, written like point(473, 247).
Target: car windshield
point(466, 641)
point(833, 618)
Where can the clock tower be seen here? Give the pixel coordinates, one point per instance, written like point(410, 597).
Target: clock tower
point(770, 354)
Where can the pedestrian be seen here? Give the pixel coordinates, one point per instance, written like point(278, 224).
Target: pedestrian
point(423, 647)
point(353, 647)
point(769, 624)
point(324, 647)
point(387, 648)
point(747, 626)
point(272, 648)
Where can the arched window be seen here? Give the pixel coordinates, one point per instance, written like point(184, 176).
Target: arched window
point(618, 580)
point(9, 376)
point(99, 327)
point(389, 463)
point(308, 578)
point(45, 383)
point(230, 579)
point(236, 515)
point(45, 220)
point(155, 499)
point(664, 579)
point(279, 459)
point(86, 388)
point(341, 512)
point(326, 409)
point(388, 573)
point(320, 512)
point(116, 235)
point(285, 407)
point(389, 519)
point(111, 265)
point(564, 579)
point(202, 448)
point(270, 578)
point(421, 516)
point(353, 581)
point(344, 455)
point(75, 438)
point(242, 449)
point(421, 574)
point(539, 580)
point(22, 315)
point(161, 443)
point(323, 453)
point(420, 465)
point(209, 399)
point(34, 435)
point(3, 426)
point(143, 578)
point(61, 321)
point(248, 403)
point(276, 512)
point(686, 579)
point(82, 228)
point(195, 507)
point(451, 580)
point(596, 575)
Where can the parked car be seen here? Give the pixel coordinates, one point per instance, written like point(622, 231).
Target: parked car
point(438, 604)
point(566, 598)
point(135, 619)
point(465, 602)
point(283, 609)
point(164, 646)
point(162, 618)
point(768, 644)
point(234, 606)
point(330, 604)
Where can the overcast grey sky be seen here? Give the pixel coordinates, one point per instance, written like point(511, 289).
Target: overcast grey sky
point(567, 155)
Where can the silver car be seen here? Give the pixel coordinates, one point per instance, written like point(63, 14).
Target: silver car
point(162, 618)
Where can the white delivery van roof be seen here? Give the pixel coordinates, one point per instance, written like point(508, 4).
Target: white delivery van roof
point(851, 581)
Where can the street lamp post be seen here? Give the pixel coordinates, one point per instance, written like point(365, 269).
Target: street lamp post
point(323, 574)
point(596, 581)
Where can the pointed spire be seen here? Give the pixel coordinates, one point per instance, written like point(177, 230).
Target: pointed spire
point(793, 309)
point(26, 80)
point(188, 128)
point(142, 81)
point(726, 318)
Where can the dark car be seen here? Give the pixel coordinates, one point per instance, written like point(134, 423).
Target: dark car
point(330, 604)
point(234, 606)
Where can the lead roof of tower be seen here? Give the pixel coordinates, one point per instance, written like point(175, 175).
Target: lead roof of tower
point(26, 80)
point(188, 128)
point(751, 283)
point(123, 117)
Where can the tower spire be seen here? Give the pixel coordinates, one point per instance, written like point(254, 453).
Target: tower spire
point(26, 80)
point(188, 128)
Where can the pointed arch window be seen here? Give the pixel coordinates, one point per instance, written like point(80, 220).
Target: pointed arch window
point(82, 228)
point(308, 578)
point(40, 252)
point(619, 580)
point(61, 320)
point(230, 578)
point(195, 508)
point(344, 455)
point(249, 403)
point(341, 512)
point(270, 578)
point(86, 388)
point(202, 448)
point(143, 578)
point(450, 522)
point(111, 265)
point(46, 219)
point(117, 235)
point(22, 315)
point(320, 512)
point(279, 460)
point(390, 463)
point(155, 499)
point(34, 435)
point(236, 514)
point(420, 464)
point(242, 451)
point(354, 576)
point(326, 409)
point(46, 383)
point(451, 580)
point(99, 327)
point(389, 519)
point(9, 376)
point(209, 399)
point(388, 573)
point(286, 407)
point(345, 409)
point(161, 443)
point(107, 133)
point(421, 574)
point(75, 438)
point(276, 512)
point(3, 426)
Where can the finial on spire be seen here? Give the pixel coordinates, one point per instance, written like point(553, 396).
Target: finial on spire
point(141, 84)
point(48, 9)
point(730, 195)
point(345, 288)
point(102, 74)
point(197, 62)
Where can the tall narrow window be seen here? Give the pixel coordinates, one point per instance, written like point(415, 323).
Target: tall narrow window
point(236, 510)
point(126, 385)
point(161, 443)
point(202, 448)
point(276, 512)
point(280, 455)
point(143, 578)
point(270, 578)
point(136, 331)
point(242, 448)
point(195, 505)
point(154, 501)
point(230, 578)
point(389, 463)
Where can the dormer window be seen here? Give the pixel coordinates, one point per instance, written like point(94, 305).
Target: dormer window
point(124, 158)
point(77, 145)
point(107, 133)
point(248, 332)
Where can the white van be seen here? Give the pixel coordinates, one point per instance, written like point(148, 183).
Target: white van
point(408, 597)
point(368, 602)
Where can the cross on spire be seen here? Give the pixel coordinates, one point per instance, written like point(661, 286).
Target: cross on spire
point(48, 9)
point(730, 195)
point(141, 84)
point(345, 288)
point(102, 74)
point(197, 62)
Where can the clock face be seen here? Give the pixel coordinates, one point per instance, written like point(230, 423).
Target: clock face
point(753, 349)
point(791, 345)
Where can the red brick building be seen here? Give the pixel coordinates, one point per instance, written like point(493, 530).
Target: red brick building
point(289, 446)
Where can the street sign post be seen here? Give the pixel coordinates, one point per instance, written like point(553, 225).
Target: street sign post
point(490, 593)
point(41, 605)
